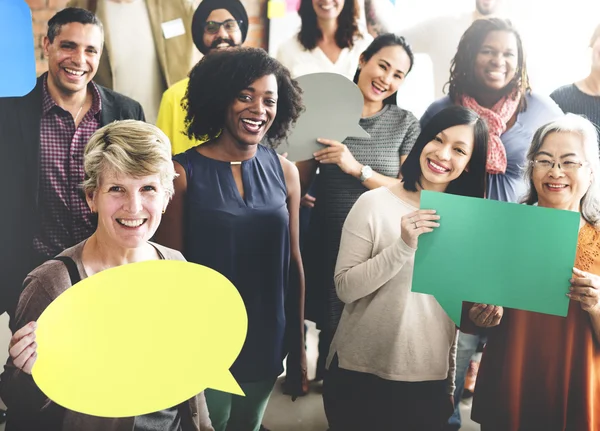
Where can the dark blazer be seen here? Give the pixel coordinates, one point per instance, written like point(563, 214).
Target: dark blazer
point(20, 119)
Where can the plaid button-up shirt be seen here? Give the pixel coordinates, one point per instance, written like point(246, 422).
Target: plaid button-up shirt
point(65, 217)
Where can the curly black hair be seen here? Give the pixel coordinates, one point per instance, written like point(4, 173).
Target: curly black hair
point(347, 21)
point(219, 78)
point(461, 69)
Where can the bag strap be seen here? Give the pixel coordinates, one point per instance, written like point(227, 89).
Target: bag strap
point(71, 267)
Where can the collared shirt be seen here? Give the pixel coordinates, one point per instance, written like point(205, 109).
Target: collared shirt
point(65, 216)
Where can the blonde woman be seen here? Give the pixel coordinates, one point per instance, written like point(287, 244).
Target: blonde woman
point(129, 182)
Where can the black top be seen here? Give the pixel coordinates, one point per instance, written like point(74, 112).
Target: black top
point(572, 99)
point(248, 241)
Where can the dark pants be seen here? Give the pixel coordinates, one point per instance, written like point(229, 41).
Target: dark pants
point(361, 401)
point(324, 339)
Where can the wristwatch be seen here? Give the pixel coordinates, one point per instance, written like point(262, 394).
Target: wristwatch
point(365, 173)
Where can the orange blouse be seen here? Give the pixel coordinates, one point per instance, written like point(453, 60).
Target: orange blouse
point(542, 372)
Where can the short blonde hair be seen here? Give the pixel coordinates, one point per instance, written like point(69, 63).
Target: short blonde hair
point(131, 148)
point(595, 36)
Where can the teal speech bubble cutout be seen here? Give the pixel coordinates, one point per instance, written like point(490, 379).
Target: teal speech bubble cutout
point(17, 76)
point(491, 252)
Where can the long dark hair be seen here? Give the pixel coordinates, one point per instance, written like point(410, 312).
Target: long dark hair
point(347, 21)
point(462, 66)
point(471, 183)
point(380, 42)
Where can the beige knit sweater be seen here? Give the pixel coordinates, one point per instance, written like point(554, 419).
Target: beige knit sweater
point(386, 329)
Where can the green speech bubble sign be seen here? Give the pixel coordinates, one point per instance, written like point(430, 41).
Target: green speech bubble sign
point(491, 252)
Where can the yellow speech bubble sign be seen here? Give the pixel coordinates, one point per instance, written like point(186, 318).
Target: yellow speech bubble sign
point(140, 338)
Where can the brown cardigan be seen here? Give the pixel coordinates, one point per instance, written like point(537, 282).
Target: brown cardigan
point(175, 55)
point(28, 407)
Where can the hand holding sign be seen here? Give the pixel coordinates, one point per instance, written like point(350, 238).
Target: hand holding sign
point(496, 253)
point(105, 344)
point(333, 106)
point(585, 288)
point(416, 223)
point(337, 153)
point(16, 48)
point(486, 316)
point(23, 348)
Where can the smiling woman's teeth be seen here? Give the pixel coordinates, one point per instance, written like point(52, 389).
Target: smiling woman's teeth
point(556, 186)
point(252, 122)
point(496, 75)
point(131, 223)
point(378, 88)
point(438, 167)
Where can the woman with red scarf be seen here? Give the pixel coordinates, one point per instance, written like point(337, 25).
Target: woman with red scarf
point(488, 74)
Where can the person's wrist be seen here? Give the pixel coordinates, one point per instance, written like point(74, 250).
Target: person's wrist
point(366, 173)
point(595, 312)
point(357, 170)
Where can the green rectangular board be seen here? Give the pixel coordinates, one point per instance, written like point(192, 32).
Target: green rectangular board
point(491, 252)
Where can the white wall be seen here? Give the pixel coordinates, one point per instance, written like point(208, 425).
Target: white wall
point(555, 34)
point(555, 38)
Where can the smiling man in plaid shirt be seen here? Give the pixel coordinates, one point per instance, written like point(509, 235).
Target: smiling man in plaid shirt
point(42, 137)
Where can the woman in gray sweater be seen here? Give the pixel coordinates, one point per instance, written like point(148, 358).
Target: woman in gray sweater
point(350, 168)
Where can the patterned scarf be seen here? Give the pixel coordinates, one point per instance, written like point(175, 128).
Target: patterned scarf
point(496, 119)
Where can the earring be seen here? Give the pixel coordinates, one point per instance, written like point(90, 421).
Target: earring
point(164, 211)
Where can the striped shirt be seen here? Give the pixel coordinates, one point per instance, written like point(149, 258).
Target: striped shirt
point(65, 217)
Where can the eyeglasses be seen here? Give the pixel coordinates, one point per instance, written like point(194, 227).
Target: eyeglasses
point(543, 165)
point(230, 26)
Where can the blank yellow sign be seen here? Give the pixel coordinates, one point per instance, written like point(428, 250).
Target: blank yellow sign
point(140, 338)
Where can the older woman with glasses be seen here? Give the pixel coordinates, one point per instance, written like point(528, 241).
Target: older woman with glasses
point(540, 371)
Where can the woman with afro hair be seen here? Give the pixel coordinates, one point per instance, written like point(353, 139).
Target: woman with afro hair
point(235, 210)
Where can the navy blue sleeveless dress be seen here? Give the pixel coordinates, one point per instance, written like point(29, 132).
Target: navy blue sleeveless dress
point(247, 240)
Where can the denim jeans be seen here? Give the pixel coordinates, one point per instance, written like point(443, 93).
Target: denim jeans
point(467, 347)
